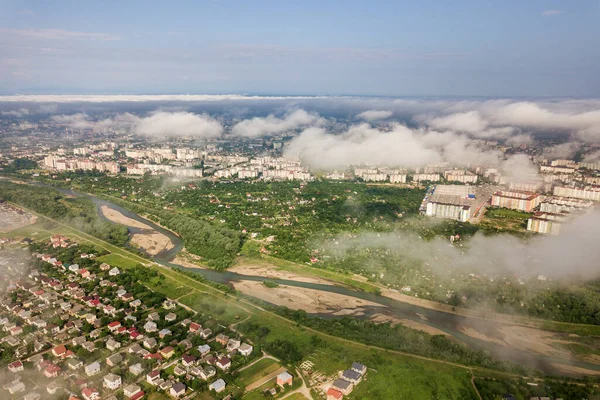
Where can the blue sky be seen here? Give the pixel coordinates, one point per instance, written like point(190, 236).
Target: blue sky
point(392, 48)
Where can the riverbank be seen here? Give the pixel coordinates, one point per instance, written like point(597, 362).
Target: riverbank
point(152, 243)
point(310, 300)
point(148, 240)
point(118, 218)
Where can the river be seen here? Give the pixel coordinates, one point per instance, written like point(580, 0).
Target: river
point(446, 322)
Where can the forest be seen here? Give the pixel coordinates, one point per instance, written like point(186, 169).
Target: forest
point(78, 212)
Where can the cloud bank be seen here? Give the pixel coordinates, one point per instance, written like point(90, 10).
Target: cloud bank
point(571, 254)
point(374, 115)
point(271, 124)
point(157, 124)
point(397, 146)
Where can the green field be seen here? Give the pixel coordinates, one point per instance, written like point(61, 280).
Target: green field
point(118, 260)
point(259, 370)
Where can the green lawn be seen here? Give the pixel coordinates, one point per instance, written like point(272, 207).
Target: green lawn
point(259, 370)
point(118, 260)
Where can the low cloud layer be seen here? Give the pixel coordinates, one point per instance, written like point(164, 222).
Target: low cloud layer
point(374, 115)
point(157, 124)
point(572, 254)
point(271, 124)
point(399, 146)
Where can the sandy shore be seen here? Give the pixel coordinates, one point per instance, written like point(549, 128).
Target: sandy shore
point(271, 272)
point(478, 335)
point(117, 217)
point(152, 243)
point(380, 318)
point(309, 300)
point(534, 340)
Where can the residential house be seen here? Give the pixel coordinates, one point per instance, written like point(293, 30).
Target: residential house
point(223, 363)
point(114, 272)
point(167, 352)
point(163, 333)
point(169, 304)
point(112, 381)
point(194, 327)
point(112, 344)
point(150, 326)
point(114, 326)
point(333, 394)
point(358, 367)
point(205, 333)
point(218, 386)
point(90, 394)
point(153, 316)
point(52, 371)
point(89, 346)
point(136, 369)
point(233, 344)
point(351, 376)
point(208, 372)
point(92, 369)
point(188, 360)
point(284, 378)
point(222, 339)
point(204, 349)
point(245, 349)
point(15, 367)
point(15, 386)
point(132, 392)
point(177, 390)
point(114, 360)
point(149, 343)
point(343, 386)
point(74, 363)
point(59, 351)
point(153, 377)
point(170, 317)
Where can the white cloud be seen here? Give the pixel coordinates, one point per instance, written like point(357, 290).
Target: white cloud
point(400, 146)
point(75, 121)
point(179, 124)
point(271, 124)
point(520, 139)
point(470, 122)
point(157, 124)
point(551, 12)
point(374, 115)
point(21, 112)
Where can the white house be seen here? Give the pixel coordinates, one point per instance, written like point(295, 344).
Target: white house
point(92, 369)
point(112, 381)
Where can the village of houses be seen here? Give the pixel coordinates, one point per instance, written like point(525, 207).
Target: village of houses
point(75, 328)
